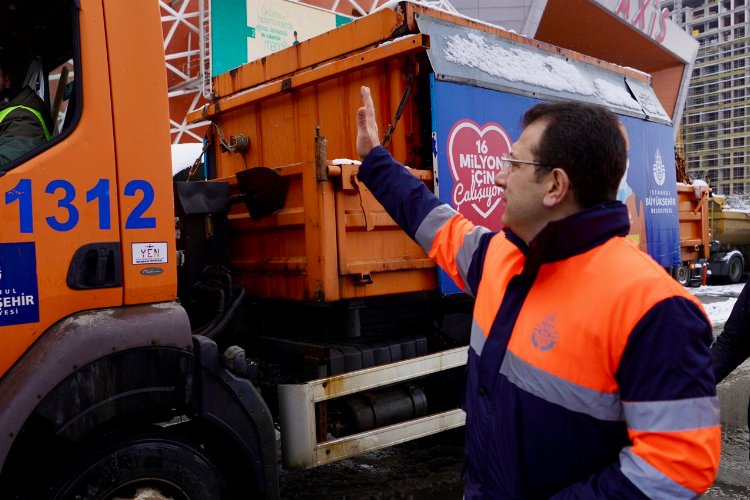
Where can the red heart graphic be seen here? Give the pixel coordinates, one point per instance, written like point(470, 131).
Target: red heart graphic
point(474, 154)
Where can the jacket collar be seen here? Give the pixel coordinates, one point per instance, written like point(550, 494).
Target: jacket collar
point(574, 235)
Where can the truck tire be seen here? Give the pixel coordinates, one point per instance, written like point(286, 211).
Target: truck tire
point(681, 274)
point(160, 463)
point(735, 269)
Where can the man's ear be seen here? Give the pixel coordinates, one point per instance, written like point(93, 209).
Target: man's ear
point(6, 82)
point(558, 188)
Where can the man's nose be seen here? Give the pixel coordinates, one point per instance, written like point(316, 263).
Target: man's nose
point(500, 178)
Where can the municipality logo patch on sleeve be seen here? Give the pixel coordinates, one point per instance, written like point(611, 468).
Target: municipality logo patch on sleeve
point(19, 291)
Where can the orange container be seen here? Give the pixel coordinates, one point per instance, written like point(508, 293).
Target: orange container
point(331, 240)
point(693, 212)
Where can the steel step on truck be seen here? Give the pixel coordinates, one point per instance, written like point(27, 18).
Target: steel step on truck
point(158, 335)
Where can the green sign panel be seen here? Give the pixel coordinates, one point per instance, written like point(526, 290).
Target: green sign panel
point(245, 30)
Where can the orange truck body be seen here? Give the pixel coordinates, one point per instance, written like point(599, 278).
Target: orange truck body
point(714, 240)
point(693, 210)
point(331, 241)
point(731, 227)
point(729, 240)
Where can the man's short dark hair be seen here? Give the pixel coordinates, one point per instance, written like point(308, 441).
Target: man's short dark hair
point(584, 140)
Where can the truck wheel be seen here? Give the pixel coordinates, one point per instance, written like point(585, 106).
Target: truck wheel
point(681, 274)
point(160, 464)
point(735, 270)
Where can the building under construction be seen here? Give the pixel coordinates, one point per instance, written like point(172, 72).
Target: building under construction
point(716, 121)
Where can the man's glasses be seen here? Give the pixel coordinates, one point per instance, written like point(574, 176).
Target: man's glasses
point(509, 164)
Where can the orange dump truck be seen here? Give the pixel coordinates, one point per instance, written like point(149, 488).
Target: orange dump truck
point(714, 239)
point(284, 297)
point(693, 204)
point(729, 229)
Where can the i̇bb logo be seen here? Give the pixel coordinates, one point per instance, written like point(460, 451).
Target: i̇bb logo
point(474, 154)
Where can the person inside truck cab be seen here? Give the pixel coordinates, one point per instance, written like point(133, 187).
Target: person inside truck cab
point(25, 121)
point(579, 385)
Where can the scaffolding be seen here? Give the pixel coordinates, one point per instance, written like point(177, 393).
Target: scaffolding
point(183, 50)
point(716, 120)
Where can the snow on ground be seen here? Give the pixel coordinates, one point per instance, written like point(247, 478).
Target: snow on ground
point(719, 312)
point(718, 300)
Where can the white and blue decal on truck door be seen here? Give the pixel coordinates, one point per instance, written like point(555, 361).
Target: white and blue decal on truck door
point(19, 291)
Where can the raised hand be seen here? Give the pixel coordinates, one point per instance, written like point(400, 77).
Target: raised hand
point(367, 128)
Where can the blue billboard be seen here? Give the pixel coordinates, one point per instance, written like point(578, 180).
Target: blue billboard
point(649, 189)
point(472, 127)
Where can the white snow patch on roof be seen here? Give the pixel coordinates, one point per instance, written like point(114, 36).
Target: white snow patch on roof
point(614, 95)
point(394, 40)
point(536, 68)
point(517, 64)
point(647, 76)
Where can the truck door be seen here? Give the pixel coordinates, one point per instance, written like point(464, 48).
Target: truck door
point(140, 114)
point(60, 233)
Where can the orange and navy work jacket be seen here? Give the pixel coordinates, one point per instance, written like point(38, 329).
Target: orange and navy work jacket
point(589, 373)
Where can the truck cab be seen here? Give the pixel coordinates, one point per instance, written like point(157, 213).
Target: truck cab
point(97, 360)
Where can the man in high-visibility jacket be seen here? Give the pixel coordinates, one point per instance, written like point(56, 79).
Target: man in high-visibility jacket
point(589, 373)
point(25, 121)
